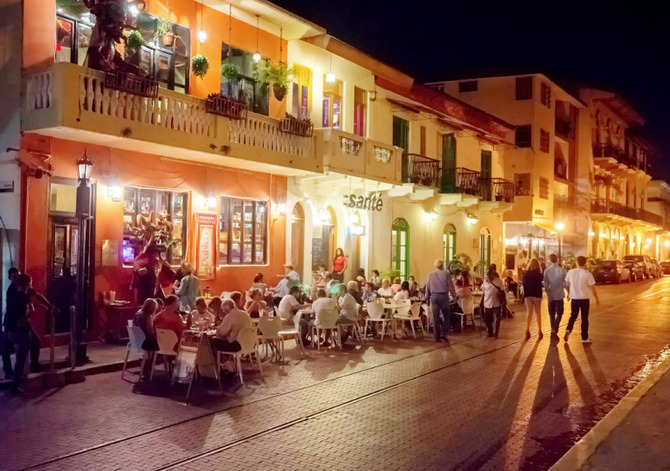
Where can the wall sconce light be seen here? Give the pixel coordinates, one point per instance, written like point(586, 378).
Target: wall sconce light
point(282, 208)
point(666, 243)
point(355, 218)
point(202, 36)
point(114, 192)
point(560, 226)
point(471, 219)
point(324, 216)
point(592, 234)
point(257, 54)
point(648, 241)
point(330, 77)
point(209, 202)
point(373, 94)
point(632, 245)
point(431, 216)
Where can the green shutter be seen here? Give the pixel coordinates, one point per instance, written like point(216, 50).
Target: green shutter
point(448, 164)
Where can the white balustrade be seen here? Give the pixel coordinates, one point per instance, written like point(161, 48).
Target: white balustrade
point(263, 132)
point(39, 91)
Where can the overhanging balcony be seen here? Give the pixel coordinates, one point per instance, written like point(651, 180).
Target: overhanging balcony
point(465, 187)
point(349, 154)
point(72, 102)
point(605, 210)
point(615, 160)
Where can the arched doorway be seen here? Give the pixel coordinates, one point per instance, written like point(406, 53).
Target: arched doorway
point(298, 239)
point(400, 247)
point(449, 243)
point(484, 249)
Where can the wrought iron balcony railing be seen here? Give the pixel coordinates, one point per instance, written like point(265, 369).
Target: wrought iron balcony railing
point(600, 205)
point(421, 170)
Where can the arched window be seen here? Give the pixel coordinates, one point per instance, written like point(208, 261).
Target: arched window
point(449, 243)
point(484, 249)
point(400, 247)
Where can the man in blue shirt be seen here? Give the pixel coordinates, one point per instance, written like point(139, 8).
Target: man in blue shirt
point(438, 288)
point(554, 284)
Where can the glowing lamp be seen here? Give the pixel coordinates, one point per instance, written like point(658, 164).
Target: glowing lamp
point(666, 243)
point(257, 56)
point(114, 193)
point(282, 209)
point(202, 36)
point(330, 77)
point(648, 241)
point(560, 226)
point(84, 168)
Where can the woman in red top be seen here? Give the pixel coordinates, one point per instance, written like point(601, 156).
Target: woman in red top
point(339, 265)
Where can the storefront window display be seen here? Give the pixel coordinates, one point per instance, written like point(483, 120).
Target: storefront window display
point(243, 232)
point(160, 214)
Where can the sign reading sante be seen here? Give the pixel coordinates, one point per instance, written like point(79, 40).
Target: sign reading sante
point(368, 203)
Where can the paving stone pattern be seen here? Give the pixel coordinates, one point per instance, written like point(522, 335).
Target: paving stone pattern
point(476, 404)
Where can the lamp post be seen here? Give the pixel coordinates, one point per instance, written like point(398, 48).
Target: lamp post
point(84, 169)
point(560, 227)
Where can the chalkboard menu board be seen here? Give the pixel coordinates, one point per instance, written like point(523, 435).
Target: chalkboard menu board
point(317, 256)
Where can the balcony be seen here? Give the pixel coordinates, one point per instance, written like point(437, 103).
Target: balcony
point(349, 154)
point(465, 187)
point(614, 159)
point(421, 170)
point(563, 128)
point(72, 102)
point(604, 209)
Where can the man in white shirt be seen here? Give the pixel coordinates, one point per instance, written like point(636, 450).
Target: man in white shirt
point(321, 303)
point(233, 322)
point(348, 310)
point(289, 305)
point(580, 284)
point(386, 291)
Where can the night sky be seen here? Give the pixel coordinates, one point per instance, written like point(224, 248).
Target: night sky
point(616, 45)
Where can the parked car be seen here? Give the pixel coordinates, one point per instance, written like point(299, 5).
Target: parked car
point(643, 260)
point(611, 271)
point(659, 268)
point(636, 270)
point(665, 265)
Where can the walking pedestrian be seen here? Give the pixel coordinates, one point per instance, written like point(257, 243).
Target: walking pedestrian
point(554, 284)
point(579, 283)
point(19, 331)
point(532, 288)
point(438, 288)
point(493, 299)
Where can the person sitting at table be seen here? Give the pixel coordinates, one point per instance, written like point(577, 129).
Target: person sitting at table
point(348, 310)
point(201, 315)
point(352, 289)
point(144, 320)
point(290, 304)
point(161, 306)
point(320, 304)
point(369, 293)
point(234, 321)
point(331, 283)
point(413, 287)
point(396, 285)
point(403, 293)
point(215, 309)
point(255, 305)
point(385, 291)
point(259, 283)
point(188, 288)
point(512, 286)
point(170, 319)
point(463, 291)
point(374, 279)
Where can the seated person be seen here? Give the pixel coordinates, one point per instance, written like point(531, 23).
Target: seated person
point(396, 285)
point(259, 283)
point(200, 315)
point(144, 320)
point(369, 292)
point(330, 283)
point(413, 287)
point(386, 291)
point(352, 288)
point(512, 286)
point(375, 279)
point(463, 291)
point(466, 277)
point(170, 319)
point(255, 305)
point(348, 310)
point(290, 304)
point(234, 321)
point(215, 308)
point(320, 304)
point(403, 293)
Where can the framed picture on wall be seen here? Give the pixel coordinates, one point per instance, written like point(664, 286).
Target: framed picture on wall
point(206, 225)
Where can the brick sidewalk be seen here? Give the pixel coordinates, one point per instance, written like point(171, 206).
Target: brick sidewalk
point(478, 404)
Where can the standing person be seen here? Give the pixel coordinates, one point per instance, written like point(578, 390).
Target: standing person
point(532, 288)
point(339, 265)
point(188, 288)
point(291, 276)
point(554, 284)
point(17, 324)
point(579, 282)
point(7, 347)
point(438, 288)
point(492, 301)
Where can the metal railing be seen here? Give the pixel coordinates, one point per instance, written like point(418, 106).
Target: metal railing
point(563, 127)
point(421, 170)
point(503, 190)
point(608, 150)
point(601, 205)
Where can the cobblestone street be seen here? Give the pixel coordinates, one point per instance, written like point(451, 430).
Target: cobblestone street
point(476, 403)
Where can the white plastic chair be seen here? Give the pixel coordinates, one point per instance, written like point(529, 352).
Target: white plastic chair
point(248, 340)
point(411, 317)
point(376, 314)
point(468, 307)
point(353, 325)
point(295, 333)
point(270, 327)
point(327, 322)
point(136, 338)
point(167, 339)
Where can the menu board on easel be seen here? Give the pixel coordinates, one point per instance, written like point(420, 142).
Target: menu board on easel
point(185, 364)
point(205, 224)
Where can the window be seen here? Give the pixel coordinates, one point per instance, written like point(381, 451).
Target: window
point(73, 34)
point(245, 87)
point(400, 247)
point(468, 86)
point(360, 107)
point(522, 184)
point(332, 104)
point(243, 232)
point(484, 250)
point(544, 188)
point(449, 243)
point(523, 136)
point(524, 88)
point(545, 95)
point(163, 209)
point(302, 84)
point(544, 141)
point(422, 140)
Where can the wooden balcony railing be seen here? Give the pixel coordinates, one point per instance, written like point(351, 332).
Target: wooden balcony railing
point(603, 206)
point(421, 170)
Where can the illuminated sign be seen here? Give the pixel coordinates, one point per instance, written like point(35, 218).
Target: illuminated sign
point(368, 203)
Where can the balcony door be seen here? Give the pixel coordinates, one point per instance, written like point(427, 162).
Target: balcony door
point(400, 247)
point(484, 250)
point(486, 174)
point(448, 163)
point(401, 139)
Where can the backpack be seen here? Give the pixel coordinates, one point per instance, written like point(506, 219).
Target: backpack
point(502, 297)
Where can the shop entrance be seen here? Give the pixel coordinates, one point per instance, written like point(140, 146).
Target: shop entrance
point(400, 247)
point(328, 235)
point(63, 251)
point(298, 239)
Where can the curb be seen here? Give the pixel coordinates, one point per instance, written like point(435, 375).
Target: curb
point(584, 449)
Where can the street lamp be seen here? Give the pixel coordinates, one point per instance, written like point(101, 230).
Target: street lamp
point(560, 227)
point(83, 208)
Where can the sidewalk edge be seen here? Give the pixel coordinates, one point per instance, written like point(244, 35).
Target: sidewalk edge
point(585, 448)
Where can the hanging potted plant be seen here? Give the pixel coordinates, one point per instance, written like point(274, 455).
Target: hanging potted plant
point(279, 75)
point(229, 72)
point(200, 64)
point(134, 42)
point(164, 31)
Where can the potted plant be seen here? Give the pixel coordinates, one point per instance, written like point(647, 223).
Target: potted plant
point(134, 42)
point(164, 31)
point(229, 71)
point(279, 75)
point(200, 64)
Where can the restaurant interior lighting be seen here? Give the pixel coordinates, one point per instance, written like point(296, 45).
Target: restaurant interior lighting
point(114, 192)
point(648, 241)
point(202, 36)
point(282, 208)
point(330, 76)
point(592, 234)
point(257, 54)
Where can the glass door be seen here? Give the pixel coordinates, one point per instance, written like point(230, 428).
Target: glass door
point(400, 247)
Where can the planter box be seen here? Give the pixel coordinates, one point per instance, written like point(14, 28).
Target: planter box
point(226, 106)
point(296, 127)
point(131, 83)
